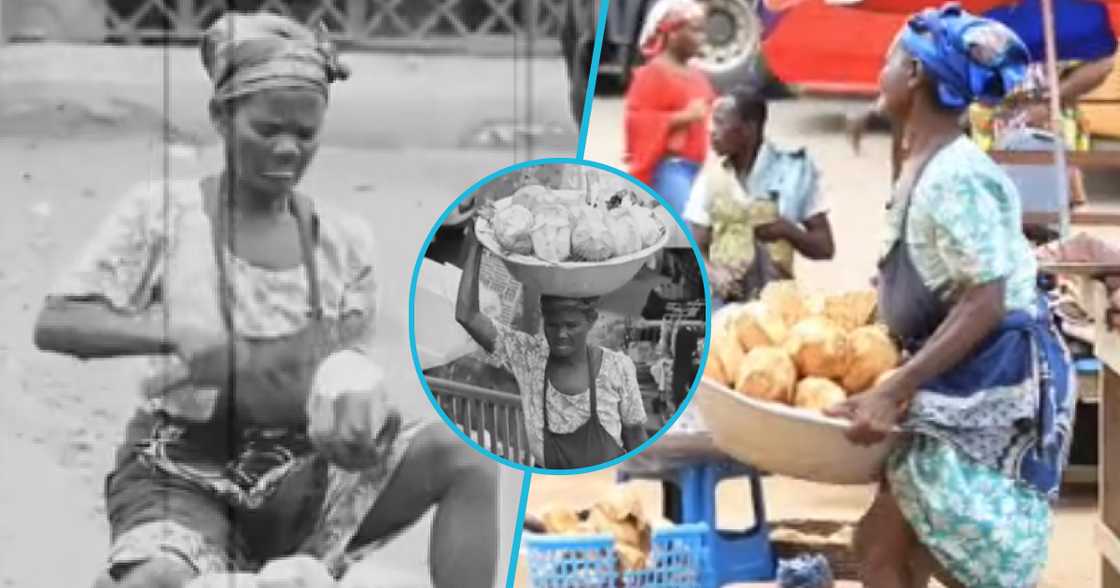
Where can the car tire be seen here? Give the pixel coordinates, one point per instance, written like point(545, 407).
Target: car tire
point(732, 50)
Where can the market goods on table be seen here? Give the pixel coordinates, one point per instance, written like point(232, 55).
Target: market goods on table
point(619, 514)
point(803, 350)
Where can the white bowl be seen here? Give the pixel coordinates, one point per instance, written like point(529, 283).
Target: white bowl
point(788, 441)
point(576, 279)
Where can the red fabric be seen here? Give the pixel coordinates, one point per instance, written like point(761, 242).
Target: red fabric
point(908, 7)
point(656, 93)
point(831, 49)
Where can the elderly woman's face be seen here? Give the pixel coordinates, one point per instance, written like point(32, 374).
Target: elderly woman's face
point(273, 135)
point(566, 330)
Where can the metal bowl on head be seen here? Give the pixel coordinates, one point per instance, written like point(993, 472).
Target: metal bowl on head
point(574, 279)
point(789, 441)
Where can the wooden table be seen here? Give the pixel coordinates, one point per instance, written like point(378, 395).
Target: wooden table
point(1107, 350)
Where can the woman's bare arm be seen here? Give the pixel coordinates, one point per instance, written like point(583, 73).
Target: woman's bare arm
point(813, 239)
point(971, 320)
point(633, 436)
point(467, 309)
point(91, 329)
point(1084, 79)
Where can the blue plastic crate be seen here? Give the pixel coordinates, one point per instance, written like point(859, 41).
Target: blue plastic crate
point(679, 559)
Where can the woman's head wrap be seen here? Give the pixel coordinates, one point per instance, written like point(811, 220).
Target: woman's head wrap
point(666, 17)
point(248, 53)
point(552, 304)
point(971, 59)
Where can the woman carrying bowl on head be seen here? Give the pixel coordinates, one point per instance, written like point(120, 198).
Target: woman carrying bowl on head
point(266, 427)
point(581, 403)
point(986, 396)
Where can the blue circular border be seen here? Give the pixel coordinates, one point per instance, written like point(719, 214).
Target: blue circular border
point(412, 315)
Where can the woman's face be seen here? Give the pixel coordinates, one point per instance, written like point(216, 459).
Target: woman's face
point(897, 81)
point(566, 330)
point(731, 135)
point(687, 40)
point(273, 136)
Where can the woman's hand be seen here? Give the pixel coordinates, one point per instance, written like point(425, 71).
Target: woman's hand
point(778, 230)
point(873, 413)
point(350, 419)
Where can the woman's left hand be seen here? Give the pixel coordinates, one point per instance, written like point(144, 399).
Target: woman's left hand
point(873, 413)
point(350, 419)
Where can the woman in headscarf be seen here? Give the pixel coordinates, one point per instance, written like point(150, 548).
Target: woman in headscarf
point(754, 205)
point(985, 398)
point(581, 403)
point(668, 102)
point(265, 428)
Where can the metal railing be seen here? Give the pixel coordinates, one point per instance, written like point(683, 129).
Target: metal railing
point(492, 419)
point(412, 24)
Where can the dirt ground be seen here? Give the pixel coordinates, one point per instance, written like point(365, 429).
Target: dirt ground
point(856, 187)
point(79, 125)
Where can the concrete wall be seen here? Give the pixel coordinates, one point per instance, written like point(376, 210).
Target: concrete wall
point(55, 20)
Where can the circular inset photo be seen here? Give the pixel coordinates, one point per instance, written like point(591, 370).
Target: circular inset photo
point(561, 326)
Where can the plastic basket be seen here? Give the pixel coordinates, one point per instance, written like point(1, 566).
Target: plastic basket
point(680, 558)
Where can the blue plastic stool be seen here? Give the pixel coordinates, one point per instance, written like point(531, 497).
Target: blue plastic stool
point(689, 490)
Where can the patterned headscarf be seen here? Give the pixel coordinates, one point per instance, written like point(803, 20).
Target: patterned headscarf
point(971, 59)
point(666, 17)
point(247, 53)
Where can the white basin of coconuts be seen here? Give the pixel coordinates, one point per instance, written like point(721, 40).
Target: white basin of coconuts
point(559, 243)
point(776, 364)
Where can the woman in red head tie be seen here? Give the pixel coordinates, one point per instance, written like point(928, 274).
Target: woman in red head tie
point(668, 103)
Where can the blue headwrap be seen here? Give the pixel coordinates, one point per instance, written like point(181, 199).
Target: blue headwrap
point(971, 59)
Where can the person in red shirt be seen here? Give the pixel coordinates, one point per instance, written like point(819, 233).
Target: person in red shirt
point(668, 102)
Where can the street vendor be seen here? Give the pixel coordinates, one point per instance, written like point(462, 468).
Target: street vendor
point(581, 403)
point(266, 429)
point(985, 398)
point(754, 204)
point(668, 102)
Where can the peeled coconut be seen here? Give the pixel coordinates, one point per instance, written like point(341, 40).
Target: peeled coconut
point(818, 394)
point(303, 571)
point(727, 349)
point(591, 239)
point(552, 233)
point(851, 310)
point(532, 197)
point(559, 519)
point(713, 370)
point(225, 580)
point(819, 348)
point(785, 299)
point(649, 228)
point(513, 228)
point(757, 326)
point(624, 232)
point(872, 354)
point(767, 373)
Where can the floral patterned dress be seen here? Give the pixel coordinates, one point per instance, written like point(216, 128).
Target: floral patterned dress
point(959, 477)
point(616, 384)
